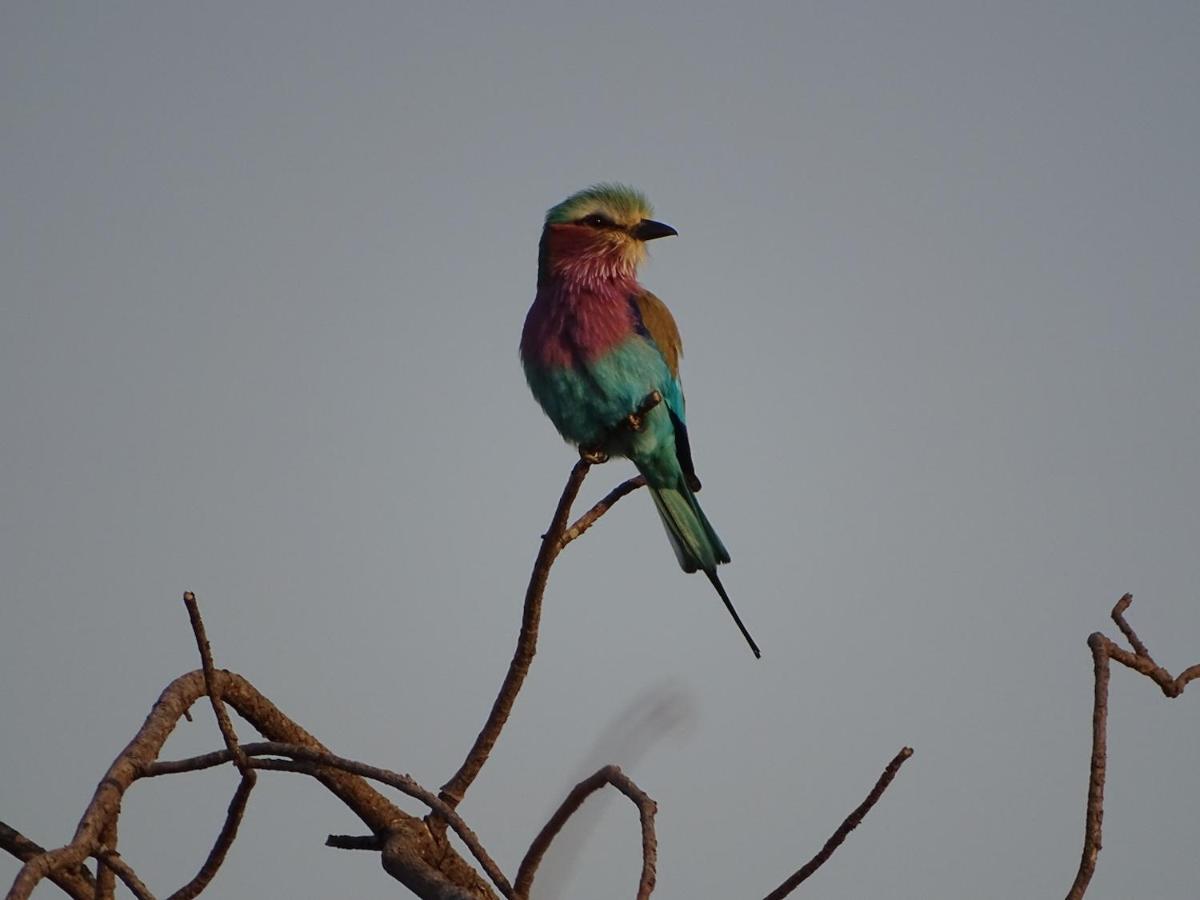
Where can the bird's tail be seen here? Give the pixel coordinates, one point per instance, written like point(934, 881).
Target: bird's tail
point(716, 582)
point(696, 545)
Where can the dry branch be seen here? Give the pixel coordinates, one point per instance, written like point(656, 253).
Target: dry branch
point(307, 761)
point(414, 851)
point(78, 883)
point(851, 822)
point(430, 861)
point(453, 790)
point(557, 537)
point(112, 861)
point(210, 685)
point(225, 838)
point(623, 783)
point(1140, 660)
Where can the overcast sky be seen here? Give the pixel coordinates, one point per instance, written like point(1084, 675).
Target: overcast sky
point(263, 268)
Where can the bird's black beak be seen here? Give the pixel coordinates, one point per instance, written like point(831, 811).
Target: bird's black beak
point(648, 230)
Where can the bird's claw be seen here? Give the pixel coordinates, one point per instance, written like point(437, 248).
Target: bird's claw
point(593, 455)
point(636, 420)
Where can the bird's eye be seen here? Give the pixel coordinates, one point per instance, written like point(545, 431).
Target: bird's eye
point(595, 220)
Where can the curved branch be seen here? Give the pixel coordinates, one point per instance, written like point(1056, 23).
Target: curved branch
point(557, 536)
point(225, 838)
point(623, 783)
point(588, 519)
point(453, 790)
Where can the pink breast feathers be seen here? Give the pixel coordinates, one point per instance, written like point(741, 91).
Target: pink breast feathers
point(564, 325)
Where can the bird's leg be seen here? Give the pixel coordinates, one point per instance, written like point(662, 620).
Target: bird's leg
point(594, 455)
point(635, 421)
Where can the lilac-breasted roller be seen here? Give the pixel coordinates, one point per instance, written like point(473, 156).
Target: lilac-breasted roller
point(601, 354)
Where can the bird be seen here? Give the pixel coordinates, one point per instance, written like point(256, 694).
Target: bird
point(601, 355)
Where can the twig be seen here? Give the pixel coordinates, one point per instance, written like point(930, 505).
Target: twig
point(623, 783)
point(309, 762)
point(453, 790)
point(1103, 649)
point(229, 830)
point(214, 695)
point(851, 822)
point(237, 805)
point(354, 842)
point(79, 884)
point(588, 519)
point(113, 861)
point(1118, 616)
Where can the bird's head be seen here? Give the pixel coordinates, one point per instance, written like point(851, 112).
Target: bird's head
point(599, 233)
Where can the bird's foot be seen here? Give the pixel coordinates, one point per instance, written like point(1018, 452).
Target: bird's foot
point(636, 420)
point(693, 483)
point(593, 455)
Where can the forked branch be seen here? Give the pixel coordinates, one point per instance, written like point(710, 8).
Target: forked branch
point(557, 537)
point(414, 851)
point(1140, 660)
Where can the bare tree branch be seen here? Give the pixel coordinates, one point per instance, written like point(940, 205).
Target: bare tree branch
point(623, 783)
point(453, 790)
point(851, 822)
point(403, 783)
point(106, 875)
point(1140, 660)
point(225, 838)
point(589, 518)
point(210, 685)
point(429, 862)
point(79, 883)
point(115, 863)
point(308, 761)
point(416, 851)
point(354, 842)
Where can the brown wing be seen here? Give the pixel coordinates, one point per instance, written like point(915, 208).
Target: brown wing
point(660, 325)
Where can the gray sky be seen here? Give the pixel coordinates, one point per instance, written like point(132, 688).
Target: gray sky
point(264, 270)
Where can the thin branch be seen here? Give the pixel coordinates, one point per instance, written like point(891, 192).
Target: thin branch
point(1118, 616)
point(106, 875)
point(1103, 649)
point(851, 822)
point(229, 830)
point(453, 790)
point(354, 842)
point(79, 884)
point(113, 861)
point(308, 761)
point(214, 695)
point(588, 519)
point(646, 810)
point(237, 805)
